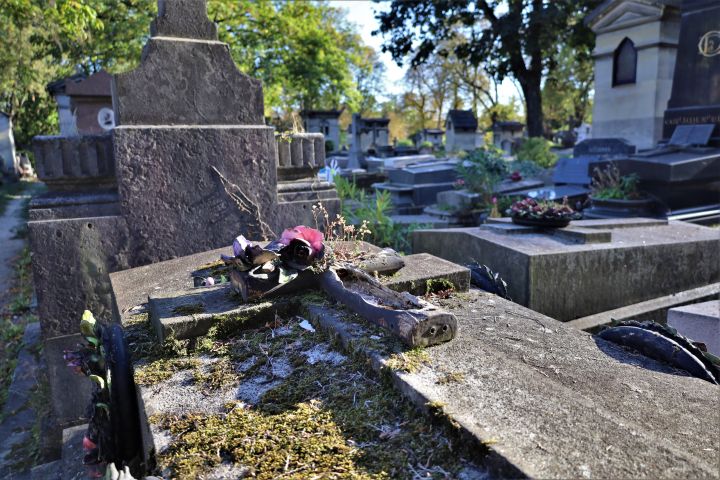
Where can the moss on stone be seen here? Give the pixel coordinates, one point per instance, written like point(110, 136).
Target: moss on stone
point(189, 309)
point(325, 420)
point(451, 377)
point(435, 285)
point(410, 361)
point(162, 368)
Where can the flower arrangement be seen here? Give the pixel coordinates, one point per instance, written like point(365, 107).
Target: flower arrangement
point(533, 211)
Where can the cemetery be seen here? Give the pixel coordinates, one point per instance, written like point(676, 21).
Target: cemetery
point(220, 262)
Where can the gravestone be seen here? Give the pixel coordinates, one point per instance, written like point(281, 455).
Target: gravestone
point(602, 147)
point(683, 174)
point(695, 97)
point(189, 164)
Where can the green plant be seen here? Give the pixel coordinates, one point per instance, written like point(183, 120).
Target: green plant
point(358, 207)
point(537, 150)
point(608, 184)
point(426, 144)
point(481, 170)
point(329, 146)
point(543, 209)
point(404, 143)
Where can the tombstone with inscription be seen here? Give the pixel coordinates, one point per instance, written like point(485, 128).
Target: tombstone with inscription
point(189, 163)
point(683, 173)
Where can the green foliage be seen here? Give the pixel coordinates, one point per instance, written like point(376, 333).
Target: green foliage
point(510, 38)
point(566, 92)
point(329, 146)
point(608, 184)
point(426, 144)
point(306, 53)
point(481, 170)
point(357, 207)
point(537, 150)
point(404, 143)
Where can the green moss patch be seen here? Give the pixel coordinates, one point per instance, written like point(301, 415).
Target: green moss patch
point(410, 361)
point(322, 420)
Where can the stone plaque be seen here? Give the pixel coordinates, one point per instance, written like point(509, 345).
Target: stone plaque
point(603, 147)
point(697, 135)
point(572, 170)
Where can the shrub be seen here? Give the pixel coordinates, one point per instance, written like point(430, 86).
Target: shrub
point(608, 184)
point(405, 143)
point(426, 144)
point(329, 146)
point(481, 170)
point(537, 150)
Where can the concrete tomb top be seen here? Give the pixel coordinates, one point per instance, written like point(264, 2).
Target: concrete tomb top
point(186, 77)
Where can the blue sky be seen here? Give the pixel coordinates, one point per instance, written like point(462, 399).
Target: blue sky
point(362, 14)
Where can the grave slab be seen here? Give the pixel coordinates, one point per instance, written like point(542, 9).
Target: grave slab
point(567, 280)
point(700, 322)
point(552, 402)
point(539, 398)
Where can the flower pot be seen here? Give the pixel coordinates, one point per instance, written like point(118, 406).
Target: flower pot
point(603, 208)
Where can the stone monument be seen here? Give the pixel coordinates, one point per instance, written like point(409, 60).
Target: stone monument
point(682, 175)
point(188, 167)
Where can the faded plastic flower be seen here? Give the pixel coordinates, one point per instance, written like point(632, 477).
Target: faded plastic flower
point(302, 246)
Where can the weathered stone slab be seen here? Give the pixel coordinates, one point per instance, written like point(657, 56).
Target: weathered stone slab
point(71, 260)
point(434, 172)
point(567, 280)
point(423, 272)
point(699, 321)
point(549, 401)
point(655, 310)
point(193, 82)
point(571, 233)
point(193, 312)
point(183, 19)
point(70, 391)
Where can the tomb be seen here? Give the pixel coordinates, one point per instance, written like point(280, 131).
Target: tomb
point(506, 135)
point(429, 135)
point(8, 161)
point(326, 122)
point(167, 181)
point(461, 131)
point(502, 399)
point(636, 44)
point(682, 174)
point(84, 103)
point(589, 267)
point(699, 321)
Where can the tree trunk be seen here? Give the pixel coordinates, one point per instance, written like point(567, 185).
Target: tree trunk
point(533, 106)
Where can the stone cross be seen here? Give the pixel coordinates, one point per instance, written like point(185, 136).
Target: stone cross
point(183, 19)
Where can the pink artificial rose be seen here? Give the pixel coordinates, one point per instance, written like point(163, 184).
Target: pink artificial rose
point(88, 444)
point(313, 237)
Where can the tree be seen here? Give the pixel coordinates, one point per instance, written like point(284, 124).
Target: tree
point(306, 53)
point(566, 92)
point(511, 37)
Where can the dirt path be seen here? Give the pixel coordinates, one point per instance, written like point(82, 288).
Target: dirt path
point(11, 221)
